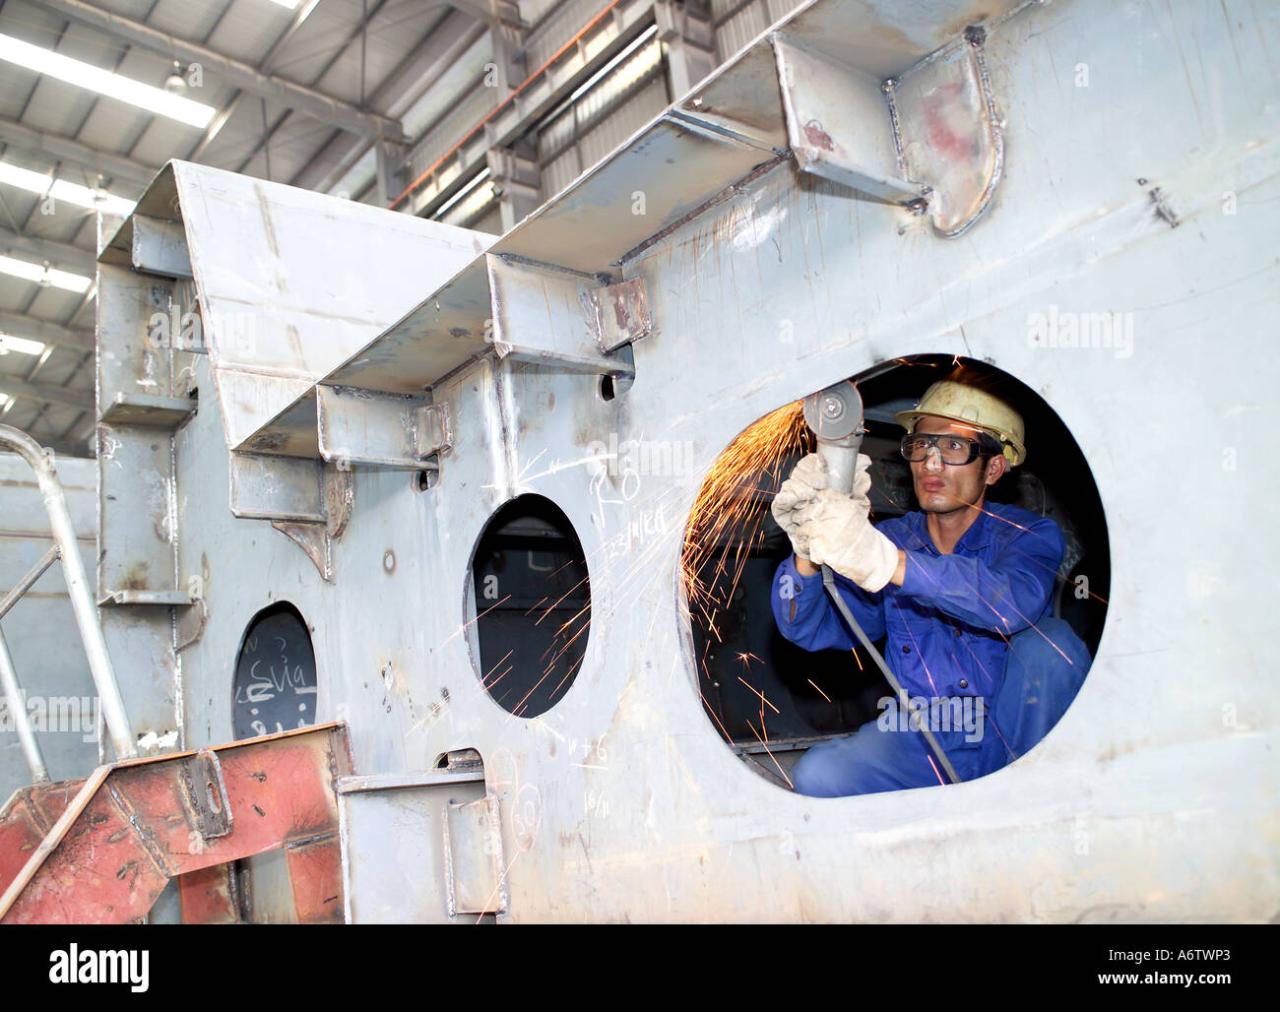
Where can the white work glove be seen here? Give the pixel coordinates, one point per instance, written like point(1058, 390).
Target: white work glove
point(838, 532)
point(797, 494)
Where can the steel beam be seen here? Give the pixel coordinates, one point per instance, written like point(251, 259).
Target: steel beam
point(43, 330)
point(687, 32)
point(46, 393)
point(278, 89)
point(60, 254)
point(490, 10)
point(68, 149)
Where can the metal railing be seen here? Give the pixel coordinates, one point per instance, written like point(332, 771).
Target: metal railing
point(64, 547)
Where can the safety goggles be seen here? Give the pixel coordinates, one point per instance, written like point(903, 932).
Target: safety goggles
point(954, 450)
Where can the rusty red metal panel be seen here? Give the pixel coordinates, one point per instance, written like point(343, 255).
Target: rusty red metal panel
point(207, 896)
point(315, 875)
point(26, 819)
point(138, 823)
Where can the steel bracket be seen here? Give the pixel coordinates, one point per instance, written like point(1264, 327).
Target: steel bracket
point(310, 501)
point(205, 794)
point(473, 857)
point(565, 319)
point(929, 139)
point(621, 314)
point(160, 247)
point(838, 125)
point(948, 133)
point(391, 430)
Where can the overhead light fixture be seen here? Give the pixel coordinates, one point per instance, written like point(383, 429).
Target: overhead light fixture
point(60, 189)
point(290, 4)
point(175, 83)
point(42, 274)
point(22, 345)
point(105, 82)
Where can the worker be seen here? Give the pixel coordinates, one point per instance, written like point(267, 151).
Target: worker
point(961, 590)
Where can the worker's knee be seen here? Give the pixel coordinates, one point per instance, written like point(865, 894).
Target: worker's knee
point(819, 773)
point(867, 762)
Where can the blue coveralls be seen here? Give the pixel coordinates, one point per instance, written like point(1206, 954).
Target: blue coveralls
point(974, 623)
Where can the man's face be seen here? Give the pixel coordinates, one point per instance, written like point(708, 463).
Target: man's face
point(946, 488)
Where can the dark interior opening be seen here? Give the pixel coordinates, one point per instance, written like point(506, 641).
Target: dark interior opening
point(533, 605)
point(275, 687)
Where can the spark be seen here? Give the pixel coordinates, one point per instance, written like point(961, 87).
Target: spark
point(815, 684)
point(769, 752)
point(763, 697)
point(727, 519)
point(463, 628)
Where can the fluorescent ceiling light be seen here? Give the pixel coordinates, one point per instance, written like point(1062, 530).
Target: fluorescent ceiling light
point(291, 4)
point(104, 82)
point(61, 189)
point(24, 345)
point(43, 275)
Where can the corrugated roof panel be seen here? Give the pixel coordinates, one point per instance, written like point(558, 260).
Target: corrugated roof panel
point(643, 62)
point(20, 413)
point(560, 172)
point(471, 207)
point(623, 121)
point(187, 19)
point(470, 108)
point(739, 30)
point(533, 11)
point(134, 9)
point(289, 150)
point(491, 222)
point(779, 9)
point(558, 28)
point(311, 48)
point(391, 35)
point(51, 303)
point(19, 204)
point(250, 27)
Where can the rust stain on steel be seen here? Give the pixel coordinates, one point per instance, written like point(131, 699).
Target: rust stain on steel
point(208, 896)
point(315, 876)
point(817, 137)
point(112, 851)
point(26, 819)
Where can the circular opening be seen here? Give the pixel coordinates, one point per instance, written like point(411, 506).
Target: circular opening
point(275, 676)
point(772, 699)
point(532, 601)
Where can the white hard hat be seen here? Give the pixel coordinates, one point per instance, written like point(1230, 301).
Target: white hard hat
point(961, 402)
